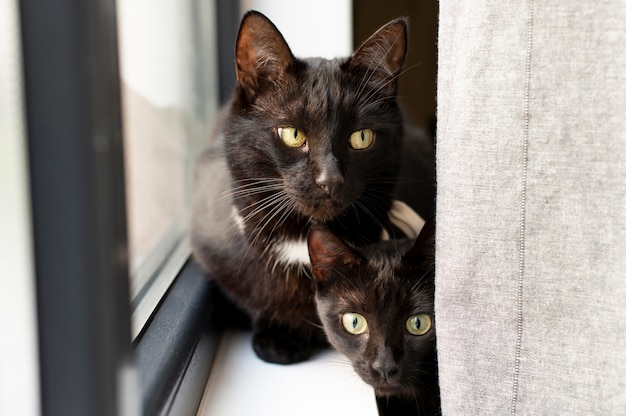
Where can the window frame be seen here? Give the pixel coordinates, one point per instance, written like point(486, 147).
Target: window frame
point(175, 351)
point(73, 128)
point(88, 364)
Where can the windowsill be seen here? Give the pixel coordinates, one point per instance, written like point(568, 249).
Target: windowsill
point(194, 357)
point(242, 384)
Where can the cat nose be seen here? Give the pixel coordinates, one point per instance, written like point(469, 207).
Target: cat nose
point(385, 366)
point(385, 372)
point(329, 183)
point(330, 180)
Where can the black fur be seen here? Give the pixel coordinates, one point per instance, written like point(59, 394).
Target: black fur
point(387, 283)
point(253, 192)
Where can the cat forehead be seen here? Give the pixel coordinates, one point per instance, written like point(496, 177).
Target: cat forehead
point(386, 254)
point(390, 271)
point(382, 278)
point(322, 78)
point(397, 297)
point(323, 65)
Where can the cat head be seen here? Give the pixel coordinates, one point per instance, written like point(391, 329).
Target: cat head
point(324, 134)
point(377, 307)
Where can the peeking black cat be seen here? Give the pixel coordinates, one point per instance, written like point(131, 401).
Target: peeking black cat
point(376, 304)
point(303, 141)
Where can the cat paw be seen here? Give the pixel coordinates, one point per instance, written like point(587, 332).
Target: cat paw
point(275, 345)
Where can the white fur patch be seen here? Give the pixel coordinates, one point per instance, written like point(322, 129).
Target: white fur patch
point(238, 219)
point(403, 217)
point(293, 252)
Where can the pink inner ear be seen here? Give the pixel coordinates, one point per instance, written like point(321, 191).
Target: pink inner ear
point(327, 250)
point(320, 249)
point(246, 66)
point(386, 48)
point(262, 53)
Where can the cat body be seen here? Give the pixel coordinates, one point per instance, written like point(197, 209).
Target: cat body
point(303, 141)
point(376, 304)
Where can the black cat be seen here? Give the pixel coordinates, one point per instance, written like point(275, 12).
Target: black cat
point(377, 307)
point(303, 141)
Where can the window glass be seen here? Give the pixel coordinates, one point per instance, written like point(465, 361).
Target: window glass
point(169, 100)
point(19, 378)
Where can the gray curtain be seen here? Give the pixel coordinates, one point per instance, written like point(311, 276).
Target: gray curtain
point(531, 207)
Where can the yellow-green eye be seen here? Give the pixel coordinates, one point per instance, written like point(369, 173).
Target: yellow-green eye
point(291, 136)
point(354, 323)
point(419, 324)
point(361, 139)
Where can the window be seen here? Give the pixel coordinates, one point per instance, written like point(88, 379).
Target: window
point(19, 382)
point(170, 98)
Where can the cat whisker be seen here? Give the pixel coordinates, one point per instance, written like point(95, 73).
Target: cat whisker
point(376, 102)
point(369, 213)
point(249, 189)
point(375, 196)
point(343, 362)
point(260, 205)
point(283, 205)
point(263, 205)
point(252, 191)
point(383, 50)
point(252, 181)
point(277, 208)
point(290, 208)
point(316, 325)
point(275, 203)
point(377, 88)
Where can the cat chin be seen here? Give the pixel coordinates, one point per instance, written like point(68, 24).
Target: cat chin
point(385, 389)
point(395, 387)
point(324, 211)
point(388, 391)
point(401, 392)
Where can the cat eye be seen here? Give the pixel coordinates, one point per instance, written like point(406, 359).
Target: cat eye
point(354, 323)
point(291, 136)
point(361, 139)
point(418, 324)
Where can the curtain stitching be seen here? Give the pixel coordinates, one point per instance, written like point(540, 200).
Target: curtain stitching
point(522, 230)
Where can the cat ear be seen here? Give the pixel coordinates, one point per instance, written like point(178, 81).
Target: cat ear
point(424, 247)
point(327, 251)
point(384, 52)
point(262, 54)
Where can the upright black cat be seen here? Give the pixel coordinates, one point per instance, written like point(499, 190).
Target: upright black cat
point(377, 307)
point(302, 142)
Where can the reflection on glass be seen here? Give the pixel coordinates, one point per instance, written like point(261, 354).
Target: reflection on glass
point(169, 98)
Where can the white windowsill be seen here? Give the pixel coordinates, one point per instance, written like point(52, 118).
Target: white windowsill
point(241, 384)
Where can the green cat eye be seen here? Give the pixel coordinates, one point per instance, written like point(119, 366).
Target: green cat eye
point(354, 323)
point(291, 136)
point(361, 139)
point(418, 324)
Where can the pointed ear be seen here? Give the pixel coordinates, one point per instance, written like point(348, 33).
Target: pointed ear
point(262, 54)
point(327, 252)
point(424, 247)
point(384, 52)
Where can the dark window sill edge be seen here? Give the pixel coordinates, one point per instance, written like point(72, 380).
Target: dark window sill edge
point(174, 354)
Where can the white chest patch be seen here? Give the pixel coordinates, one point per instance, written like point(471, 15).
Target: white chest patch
point(292, 252)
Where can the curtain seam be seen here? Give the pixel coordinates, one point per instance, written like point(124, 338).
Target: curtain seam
point(522, 230)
